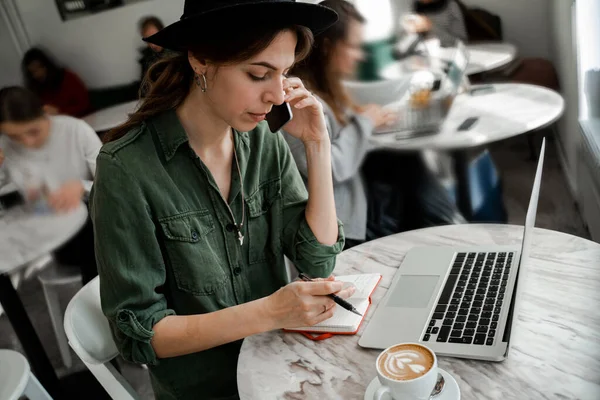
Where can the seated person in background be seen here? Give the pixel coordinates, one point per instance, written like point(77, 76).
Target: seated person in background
point(52, 157)
point(60, 89)
point(443, 18)
point(151, 52)
point(417, 200)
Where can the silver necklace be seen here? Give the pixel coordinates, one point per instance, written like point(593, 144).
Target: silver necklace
point(238, 227)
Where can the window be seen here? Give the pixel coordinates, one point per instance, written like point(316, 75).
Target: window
point(588, 51)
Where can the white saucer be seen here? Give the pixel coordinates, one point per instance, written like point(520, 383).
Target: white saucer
point(451, 390)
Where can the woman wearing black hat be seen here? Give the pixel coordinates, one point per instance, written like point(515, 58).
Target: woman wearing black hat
point(195, 201)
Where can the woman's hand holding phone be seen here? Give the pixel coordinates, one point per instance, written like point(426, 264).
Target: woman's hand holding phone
point(308, 123)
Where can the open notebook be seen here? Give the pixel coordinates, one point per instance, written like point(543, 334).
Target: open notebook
point(344, 321)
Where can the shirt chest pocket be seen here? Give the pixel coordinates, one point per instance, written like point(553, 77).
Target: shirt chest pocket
point(264, 222)
point(193, 252)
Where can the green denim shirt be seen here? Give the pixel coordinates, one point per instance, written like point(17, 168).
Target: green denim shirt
point(165, 246)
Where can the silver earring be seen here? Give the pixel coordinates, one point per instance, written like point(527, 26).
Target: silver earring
point(201, 81)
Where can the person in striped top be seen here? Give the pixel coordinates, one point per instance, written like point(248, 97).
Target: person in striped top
point(441, 18)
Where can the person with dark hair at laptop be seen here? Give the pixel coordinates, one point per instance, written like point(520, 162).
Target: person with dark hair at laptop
point(376, 194)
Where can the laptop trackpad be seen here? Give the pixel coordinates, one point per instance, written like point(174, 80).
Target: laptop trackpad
point(413, 291)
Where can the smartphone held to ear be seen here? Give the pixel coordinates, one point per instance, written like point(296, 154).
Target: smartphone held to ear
point(279, 116)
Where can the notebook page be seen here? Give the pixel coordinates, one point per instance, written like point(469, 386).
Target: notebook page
point(343, 318)
point(364, 284)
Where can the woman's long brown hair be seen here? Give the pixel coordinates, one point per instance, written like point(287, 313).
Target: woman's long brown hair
point(315, 70)
point(167, 83)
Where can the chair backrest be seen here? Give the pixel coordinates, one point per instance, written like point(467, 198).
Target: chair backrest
point(90, 337)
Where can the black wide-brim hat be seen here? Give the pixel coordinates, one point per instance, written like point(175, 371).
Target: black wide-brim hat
point(201, 17)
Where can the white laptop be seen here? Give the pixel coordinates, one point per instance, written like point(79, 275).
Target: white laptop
point(460, 302)
point(413, 122)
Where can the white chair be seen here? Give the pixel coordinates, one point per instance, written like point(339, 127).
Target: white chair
point(53, 278)
point(16, 379)
point(291, 270)
point(90, 337)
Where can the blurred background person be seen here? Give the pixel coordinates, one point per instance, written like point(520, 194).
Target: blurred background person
point(375, 195)
point(150, 53)
point(58, 155)
point(443, 19)
point(60, 89)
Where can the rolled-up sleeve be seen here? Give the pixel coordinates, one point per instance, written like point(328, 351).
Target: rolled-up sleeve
point(130, 263)
point(299, 242)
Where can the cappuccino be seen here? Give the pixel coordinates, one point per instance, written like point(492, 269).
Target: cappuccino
point(405, 362)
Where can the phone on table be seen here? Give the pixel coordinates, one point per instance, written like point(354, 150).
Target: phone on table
point(467, 124)
point(279, 116)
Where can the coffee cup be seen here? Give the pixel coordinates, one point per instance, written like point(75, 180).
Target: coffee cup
point(406, 371)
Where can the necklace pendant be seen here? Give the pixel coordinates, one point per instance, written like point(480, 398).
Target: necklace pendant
point(241, 238)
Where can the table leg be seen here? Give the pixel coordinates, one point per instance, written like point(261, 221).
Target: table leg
point(38, 359)
point(461, 171)
point(533, 156)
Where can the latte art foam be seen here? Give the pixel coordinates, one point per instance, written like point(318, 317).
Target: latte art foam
point(405, 362)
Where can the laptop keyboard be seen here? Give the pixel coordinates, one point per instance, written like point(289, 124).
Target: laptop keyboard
point(415, 120)
point(469, 308)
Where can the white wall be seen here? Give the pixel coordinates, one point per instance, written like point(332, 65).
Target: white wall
point(9, 57)
point(564, 55)
point(101, 48)
point(525, 23)
point(378, 13)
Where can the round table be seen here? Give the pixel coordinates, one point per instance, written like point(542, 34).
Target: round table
point(111, 117)
point(554, 350)
point(483, 57)
point(510, 110)
point(24, 237)
point(8, 188)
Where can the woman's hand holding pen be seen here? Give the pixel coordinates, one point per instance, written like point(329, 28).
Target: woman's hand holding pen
point(304, 303)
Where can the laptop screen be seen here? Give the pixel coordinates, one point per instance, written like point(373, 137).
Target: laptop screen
point(457, 68)
point(526, 243)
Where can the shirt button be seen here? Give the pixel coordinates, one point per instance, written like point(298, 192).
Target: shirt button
point(237, 271)
point(194, 235)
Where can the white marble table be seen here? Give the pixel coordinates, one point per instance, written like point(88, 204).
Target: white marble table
point(111, 117)
point(483, 57)
point(512, 109)
point(24, 237)
point(555, 352)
